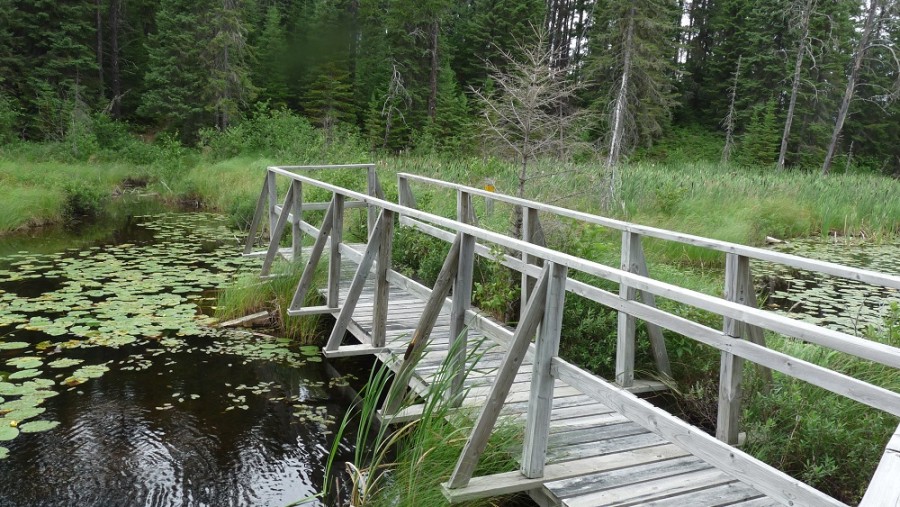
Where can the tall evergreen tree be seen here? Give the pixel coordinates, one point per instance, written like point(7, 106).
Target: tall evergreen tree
point(228, 86)
point(270, 67)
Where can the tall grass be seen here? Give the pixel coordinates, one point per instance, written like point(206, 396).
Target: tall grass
point(249, 294)
point(405, 464)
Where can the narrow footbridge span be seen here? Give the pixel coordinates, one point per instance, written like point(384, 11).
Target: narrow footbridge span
point(587, 441)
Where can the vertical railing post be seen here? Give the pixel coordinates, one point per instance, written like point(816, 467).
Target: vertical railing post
point(462, 297)
point(373, 188)
point(625, 333)
point(296, 231)
point(540, 403)
point(404, 192)
point(530, 228)
point(731, 369)
point(334, 262)
point(382, 287)
point(272, 185)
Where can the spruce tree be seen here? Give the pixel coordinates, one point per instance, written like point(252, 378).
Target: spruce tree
point(270, 69)
point(176, 78)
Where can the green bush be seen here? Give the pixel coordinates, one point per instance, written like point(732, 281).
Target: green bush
point(8, 117)
point(83, 200)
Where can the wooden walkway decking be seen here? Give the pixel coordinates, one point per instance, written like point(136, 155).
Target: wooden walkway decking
point(640, 467)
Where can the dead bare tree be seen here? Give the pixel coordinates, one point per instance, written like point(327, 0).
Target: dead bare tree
point(802, 48)
point(877, 9)
point(729, 118)
point(528, 114)
point(397, 95)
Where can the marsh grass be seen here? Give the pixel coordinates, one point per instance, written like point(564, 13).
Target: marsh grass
point(405, 464)
point(248, 294)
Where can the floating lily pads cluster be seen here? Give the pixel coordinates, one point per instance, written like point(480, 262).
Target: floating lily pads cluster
point(833, 302)
point(146, 296)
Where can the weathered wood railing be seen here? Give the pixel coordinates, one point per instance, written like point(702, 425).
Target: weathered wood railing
point(738, 287)
point(543, 310)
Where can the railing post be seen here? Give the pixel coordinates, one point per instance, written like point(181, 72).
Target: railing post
point(731, 369)
point(334, 262)
point(531, 232)
point(382, 287)
point(257, 216)
point(373, 188)
point(625, 333)
point(462, 297)
point(537, 423)
point(272, 186)
point(277, 231)
point(296, 231)
point(405, 196)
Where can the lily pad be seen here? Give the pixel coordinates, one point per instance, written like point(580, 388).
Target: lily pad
point(38, 426)
point(8, 432)
point(24, 374)
point(13, 345)
point(25, 413)
point(4, 452)
point(64, 363)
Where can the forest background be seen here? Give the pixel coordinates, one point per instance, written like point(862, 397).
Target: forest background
point(806, 84)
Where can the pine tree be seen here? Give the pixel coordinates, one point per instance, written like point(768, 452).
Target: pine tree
point(631, 53)
point(225, 56)
point(329, 100)
point(760, 143)
point(270, 71)
point(450, 128)
point(176, 76)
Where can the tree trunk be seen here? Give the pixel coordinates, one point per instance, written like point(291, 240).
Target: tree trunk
point(432, 95)
point(729, 119)
point(115, 23)
point(795, 85)
point(620, 106)
point(99, 22)
point(861, 48)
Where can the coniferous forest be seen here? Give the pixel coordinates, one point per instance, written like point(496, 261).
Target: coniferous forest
point(808, 84)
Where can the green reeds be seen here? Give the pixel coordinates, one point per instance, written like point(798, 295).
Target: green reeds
point(404, 464)
point(248, 294)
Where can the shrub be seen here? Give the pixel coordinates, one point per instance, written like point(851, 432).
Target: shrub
point(83, 200)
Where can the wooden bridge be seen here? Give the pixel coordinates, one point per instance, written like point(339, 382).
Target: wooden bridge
point(587, 440)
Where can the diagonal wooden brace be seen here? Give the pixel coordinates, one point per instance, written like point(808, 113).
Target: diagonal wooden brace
point(310, 270)
point(257, 217)
point(275, 238)
point(359, 280)
point(490, 411)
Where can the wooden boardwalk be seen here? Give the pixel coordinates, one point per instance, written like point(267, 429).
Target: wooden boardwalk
point(587, 441)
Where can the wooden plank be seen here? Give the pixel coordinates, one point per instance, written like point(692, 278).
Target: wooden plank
point(313, 310)
point(382, 286)
point(625, 331)
point(297, 216)
point(275, 235)
point(884, 489)
point(733, 461)
point(614, 478)
point(309, 272)
point(652, 490)
point(731, 366)
point(514, 482)
point(532, 233)
point(272, 185)
point(257, 217)
point(462, 296)
point(490, 411)
point(356, 287)
point(537, 424)
point(334, 261)
point(354, 350)
point(404, 192)
point(657, 340)
point(716, 496)
point(830, 268)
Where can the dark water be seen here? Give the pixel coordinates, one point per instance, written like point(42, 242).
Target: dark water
point(183, 416)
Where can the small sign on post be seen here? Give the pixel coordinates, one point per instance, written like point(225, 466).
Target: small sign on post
point(488, 202)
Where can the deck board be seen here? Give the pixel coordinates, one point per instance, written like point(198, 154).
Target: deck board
point(582, 430)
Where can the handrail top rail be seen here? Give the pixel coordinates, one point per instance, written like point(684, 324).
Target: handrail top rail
point(830, 268)
point(325, 166)
point(837, 340)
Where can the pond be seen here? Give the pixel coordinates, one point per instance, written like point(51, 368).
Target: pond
point(837, 303)
point(115, 390)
